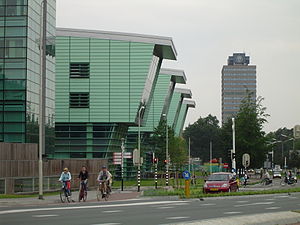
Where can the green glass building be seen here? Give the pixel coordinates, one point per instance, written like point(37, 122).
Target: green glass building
point(186, 104)
point(175, 106)
point(20, 71)
point(102, 81)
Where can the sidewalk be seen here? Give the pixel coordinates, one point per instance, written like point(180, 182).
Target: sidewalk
point(54, 199)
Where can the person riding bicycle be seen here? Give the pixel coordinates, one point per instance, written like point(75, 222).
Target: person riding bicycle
point(267, 177)
point(83, 176)
point(65, 178)
point(105, 176)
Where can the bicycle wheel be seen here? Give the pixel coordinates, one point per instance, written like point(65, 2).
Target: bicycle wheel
point(80, 196)
point(68, 197)
point(99, 194)
point(62, 195)
point(84, 196)
point(282, 183)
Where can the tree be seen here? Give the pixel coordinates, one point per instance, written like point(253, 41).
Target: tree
point(201, 133)
point(250, 137)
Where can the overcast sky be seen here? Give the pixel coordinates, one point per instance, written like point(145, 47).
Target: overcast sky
point(205, 33)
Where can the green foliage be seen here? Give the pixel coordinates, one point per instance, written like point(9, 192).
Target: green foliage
point(201, 133)
point(250, 137)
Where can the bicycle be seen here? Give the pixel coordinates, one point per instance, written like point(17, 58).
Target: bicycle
point(266, 182)
point(102, 191)
point(83, 191)
point(65, 193)
point(288, 181)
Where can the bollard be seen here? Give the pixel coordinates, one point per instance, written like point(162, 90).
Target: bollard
point(187, 189)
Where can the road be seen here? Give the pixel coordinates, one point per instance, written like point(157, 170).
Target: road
point(145, 211)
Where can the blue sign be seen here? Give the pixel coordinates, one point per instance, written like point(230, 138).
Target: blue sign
point(186, 175)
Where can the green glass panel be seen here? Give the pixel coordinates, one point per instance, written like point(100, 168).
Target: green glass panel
point(2, 21)
point(2, 11)
point(15, 31)
point(14, 137)
point(14, 84)
point(16, 2)
point(14, 95)
point(14, 107)
point(14, 116)
point(14, 42)
point(1, 85)
point(2, 42)
point(16, 21)
point(2, 50)
point(15, 52)
point(15, 63)
point(14, 127)
point(14, 74)
point(16, 10)
point(1, 31)
point(2, 2)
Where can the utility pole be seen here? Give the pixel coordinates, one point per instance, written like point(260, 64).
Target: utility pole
point(210, 156)
point(189, 154)
point(42, 100)
point(139, 150)
point(233, 145)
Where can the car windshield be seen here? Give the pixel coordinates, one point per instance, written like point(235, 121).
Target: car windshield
point(218, 177)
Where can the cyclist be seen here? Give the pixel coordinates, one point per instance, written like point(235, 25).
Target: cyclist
point(65, 178)
point(83, 176)
point(105, 175)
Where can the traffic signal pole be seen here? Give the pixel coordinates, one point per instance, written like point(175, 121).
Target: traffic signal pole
point(233, 145)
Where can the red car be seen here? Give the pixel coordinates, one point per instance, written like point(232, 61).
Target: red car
point(220, 182)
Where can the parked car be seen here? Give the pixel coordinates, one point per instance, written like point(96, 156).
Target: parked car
point(220, 182)
point(276, 174)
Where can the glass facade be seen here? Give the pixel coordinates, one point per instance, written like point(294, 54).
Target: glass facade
point(20, 71)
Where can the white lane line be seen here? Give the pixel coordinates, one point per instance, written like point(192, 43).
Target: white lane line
point(282, 196)
point(273, 208)
point(293, 197)
point(208, 204)
point(270, 199)
point(166, 207)
point(87, 207)
point(229, 213)
point(177, 218)
point(242, 201)
point(112, 211)
point(106, 224)
point(255, 203)
point(42, 216)
point(179, 204)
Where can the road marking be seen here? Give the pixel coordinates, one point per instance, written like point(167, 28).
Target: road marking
point(42, 216)
point(232, 213)
point(177, 218)
point(255, 203)
point(87, 207)
point(166, 207)
point(270, 199)
point(106, 224)
point(208, 204)
point(112, 211)
point(282, 196)
point(242, 201)
point(293, 197)
point(273, 208)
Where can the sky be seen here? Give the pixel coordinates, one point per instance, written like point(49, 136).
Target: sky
point(205, 33)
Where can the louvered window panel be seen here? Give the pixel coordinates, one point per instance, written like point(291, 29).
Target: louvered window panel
point(79, 100)
point(79, 70)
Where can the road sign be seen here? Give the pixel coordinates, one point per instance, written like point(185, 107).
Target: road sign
point(135, 157)
point(126, 155)
point(186, 175)
point(225, 165)
point(297, 131)
point(246, 160)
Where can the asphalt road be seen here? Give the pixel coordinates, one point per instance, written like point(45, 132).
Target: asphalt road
point(146, 211)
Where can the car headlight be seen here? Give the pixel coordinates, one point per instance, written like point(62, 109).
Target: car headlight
point(224, 185)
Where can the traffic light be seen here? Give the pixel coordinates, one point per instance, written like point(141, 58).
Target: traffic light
point(165, 161)
point(233, 155)
point(155, 160)
point(230, 154)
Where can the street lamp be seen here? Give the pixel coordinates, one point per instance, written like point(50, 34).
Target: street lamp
point(122, 163)
point(139, 150)
point(233, 145)
point(167, 150)
point(42, 97)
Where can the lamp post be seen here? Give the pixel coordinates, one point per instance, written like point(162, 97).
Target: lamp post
point(167, 150)
point(282, 147)
point(210, 156)
point(189, 154)
point(42, 99)
point(139, 149)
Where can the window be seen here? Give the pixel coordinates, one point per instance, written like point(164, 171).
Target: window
point(79, 70)
point(79, 100)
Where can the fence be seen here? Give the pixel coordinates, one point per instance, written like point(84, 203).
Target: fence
point(19, 169)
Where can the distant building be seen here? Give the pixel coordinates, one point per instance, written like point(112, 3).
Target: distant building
point(238, 78)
